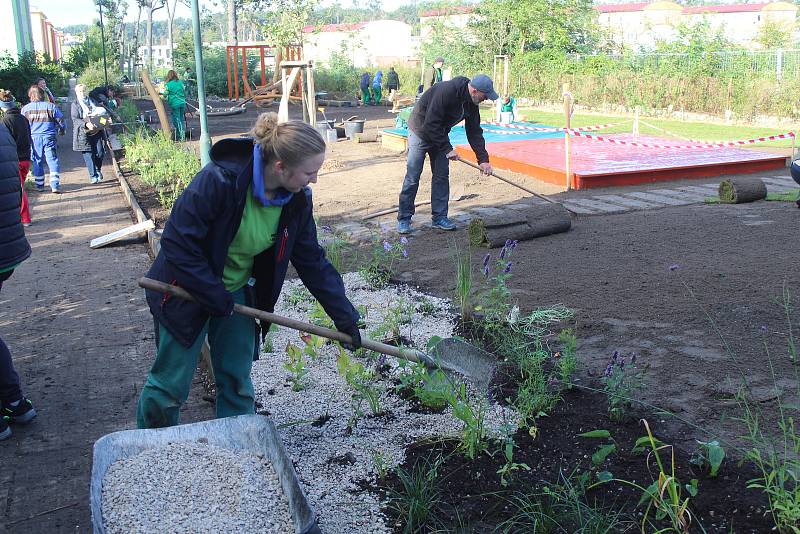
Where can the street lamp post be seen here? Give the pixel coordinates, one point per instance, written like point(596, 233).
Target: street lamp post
point(205, 139)
point(103, 37)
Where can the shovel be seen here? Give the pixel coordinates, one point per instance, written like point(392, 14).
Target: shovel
point(450, 355)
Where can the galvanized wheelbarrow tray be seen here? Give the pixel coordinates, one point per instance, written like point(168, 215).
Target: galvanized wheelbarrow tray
point(252, 433)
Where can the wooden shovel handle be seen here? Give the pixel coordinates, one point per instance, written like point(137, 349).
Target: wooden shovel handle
point(383, 348)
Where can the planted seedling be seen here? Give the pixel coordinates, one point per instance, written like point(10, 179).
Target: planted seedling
point(361, 379)
point(709, 455)
point(604, 450)
point(268, 346)
point(380, 462)
point(379, 266)
point(296, 366)
point(312, 345)
point(566, 360)
point(473, 415)
point(508, 469)
point(320, 317)
point(298, 296)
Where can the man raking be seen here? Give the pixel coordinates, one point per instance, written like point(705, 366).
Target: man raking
point(440, 108)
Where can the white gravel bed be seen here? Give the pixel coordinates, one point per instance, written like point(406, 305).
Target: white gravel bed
point(332, 463)
point(188, 487)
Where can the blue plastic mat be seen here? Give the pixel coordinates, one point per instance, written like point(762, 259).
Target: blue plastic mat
point(458, 135)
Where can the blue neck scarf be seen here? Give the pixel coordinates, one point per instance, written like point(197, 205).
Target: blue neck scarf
point(282, 196)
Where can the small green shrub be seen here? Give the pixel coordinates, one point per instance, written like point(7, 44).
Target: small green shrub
point(162, 164)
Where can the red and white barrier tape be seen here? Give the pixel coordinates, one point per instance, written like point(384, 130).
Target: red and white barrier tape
point(722, 144)
point(539, 129)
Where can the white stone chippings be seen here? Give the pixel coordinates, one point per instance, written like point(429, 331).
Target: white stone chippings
point(332, 464)
point(187, 487)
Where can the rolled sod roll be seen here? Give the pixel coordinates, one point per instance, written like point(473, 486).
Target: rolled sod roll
point(538, 221)
point(739, 190)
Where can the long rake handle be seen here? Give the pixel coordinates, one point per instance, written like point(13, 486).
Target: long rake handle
point(383, 348)
point(506, 180)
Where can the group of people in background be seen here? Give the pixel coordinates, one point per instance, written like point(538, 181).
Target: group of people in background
point(36, 125)
point(372, 93)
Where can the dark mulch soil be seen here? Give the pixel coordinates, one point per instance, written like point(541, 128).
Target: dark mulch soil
point(474, 500)
point(147, 198)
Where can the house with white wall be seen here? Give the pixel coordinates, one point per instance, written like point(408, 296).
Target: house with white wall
point(162, 56)
point(364, 43)
point(456, 17)
point(642, 25)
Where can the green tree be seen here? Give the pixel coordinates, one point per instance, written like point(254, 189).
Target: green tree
point(285, 20)
point(17, 74)
point(774, 35)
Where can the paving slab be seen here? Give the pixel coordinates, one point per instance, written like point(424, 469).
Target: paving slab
point(579, 209)
point(693, 196)
point(661, 199)
point(598, 205)
point(626, 202)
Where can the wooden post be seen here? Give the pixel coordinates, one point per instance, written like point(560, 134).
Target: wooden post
point(228, 65)
point(636, 122)
point(263, 71)
point(245, 75)
point(568, 123)
point(162, 114)
point(312, 95)
point(235, 62)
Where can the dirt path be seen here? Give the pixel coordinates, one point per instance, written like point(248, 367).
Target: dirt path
point(82, 341)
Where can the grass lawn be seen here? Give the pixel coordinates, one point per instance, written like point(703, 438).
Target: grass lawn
point(690, 130)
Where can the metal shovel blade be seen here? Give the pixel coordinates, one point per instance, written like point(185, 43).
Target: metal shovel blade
point(456, 355)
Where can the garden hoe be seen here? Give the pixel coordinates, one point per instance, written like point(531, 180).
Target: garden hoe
point(451, 355)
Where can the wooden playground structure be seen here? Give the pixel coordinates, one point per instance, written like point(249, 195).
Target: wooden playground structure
point(263, 94)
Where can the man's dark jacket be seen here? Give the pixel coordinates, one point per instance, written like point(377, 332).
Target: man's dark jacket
point(20, 130)
point(14, 248)
point(443, 106)
point(201, 227)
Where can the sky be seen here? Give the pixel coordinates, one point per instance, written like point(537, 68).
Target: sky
point(64, 13)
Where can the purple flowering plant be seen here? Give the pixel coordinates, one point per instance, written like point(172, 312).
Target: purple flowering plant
point(622, 379)
point(495, 297)
point(381, 261)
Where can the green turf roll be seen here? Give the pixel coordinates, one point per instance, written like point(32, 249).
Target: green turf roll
point(537, 221)
point(740, 190)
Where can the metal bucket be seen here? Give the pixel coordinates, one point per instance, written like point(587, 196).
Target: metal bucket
point(251, 433)
point(332, 137)
point(322, 128)
point(353, 127)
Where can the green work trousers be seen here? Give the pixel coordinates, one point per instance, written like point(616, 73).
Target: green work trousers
point(179, 121)
point(365, 96)
point(232, 340)
point(376, 94)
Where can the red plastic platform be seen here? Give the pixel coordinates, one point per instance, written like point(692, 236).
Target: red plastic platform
point(603, 164)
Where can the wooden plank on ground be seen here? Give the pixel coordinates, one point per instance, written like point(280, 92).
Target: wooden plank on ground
point(122, 234)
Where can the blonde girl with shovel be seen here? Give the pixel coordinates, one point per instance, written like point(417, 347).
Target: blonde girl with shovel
point(229, 239)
